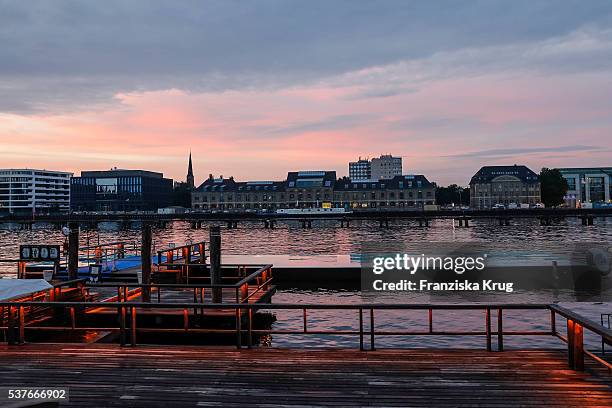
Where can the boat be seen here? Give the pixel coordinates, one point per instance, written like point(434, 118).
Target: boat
point(317, 210)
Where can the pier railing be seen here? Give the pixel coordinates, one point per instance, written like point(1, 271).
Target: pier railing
point(128, 327)
point(245, 288)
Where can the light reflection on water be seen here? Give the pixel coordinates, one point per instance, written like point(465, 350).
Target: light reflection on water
point(327, 238)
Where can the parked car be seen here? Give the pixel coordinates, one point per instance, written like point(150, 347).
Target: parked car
point(538, 205)
point(513, 206)
point(499, 207)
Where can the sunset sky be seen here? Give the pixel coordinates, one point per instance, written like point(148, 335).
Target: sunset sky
point(258, 88)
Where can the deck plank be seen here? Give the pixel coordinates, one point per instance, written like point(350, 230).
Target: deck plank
point(203, 376)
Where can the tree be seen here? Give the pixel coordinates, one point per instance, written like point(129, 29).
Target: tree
point(553, 187)
point(452, 194)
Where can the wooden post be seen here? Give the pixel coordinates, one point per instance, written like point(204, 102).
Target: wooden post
point(73, 250)
point(215, 263)
point(145, 256)
point(570, 343)
point(578, 348)
point(488, 327)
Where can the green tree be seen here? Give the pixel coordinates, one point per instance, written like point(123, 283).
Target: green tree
point(452, 194)
point(554, 187)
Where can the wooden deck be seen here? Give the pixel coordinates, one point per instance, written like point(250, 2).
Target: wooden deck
point(152, 376)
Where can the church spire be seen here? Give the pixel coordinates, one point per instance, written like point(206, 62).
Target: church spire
point(190, 179)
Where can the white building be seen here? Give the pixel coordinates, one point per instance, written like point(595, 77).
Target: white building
point(34, 191)
point(384, 167)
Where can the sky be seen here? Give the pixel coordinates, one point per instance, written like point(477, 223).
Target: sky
point(258, 88)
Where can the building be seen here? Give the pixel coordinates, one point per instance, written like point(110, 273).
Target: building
point(360, 170)
point(504, 185)
point(120, 190)
point(384, 167)
point(312, 189)
point(591, 185)
point(34, 191)
point(401, 192)
point(227, 194)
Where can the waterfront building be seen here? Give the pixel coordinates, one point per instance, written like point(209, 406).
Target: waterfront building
point(312, 189)
point(504, 185)
point(120, 190)
point(227, 194)
point(34, 191)
point(587, 185)
point(384, 167)
point(401, 192)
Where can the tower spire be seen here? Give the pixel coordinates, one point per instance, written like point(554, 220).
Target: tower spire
point(190, 179)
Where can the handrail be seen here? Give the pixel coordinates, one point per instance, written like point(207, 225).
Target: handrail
point(584, 322)
point(576, 323)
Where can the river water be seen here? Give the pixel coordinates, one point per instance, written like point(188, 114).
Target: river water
point(326, 237)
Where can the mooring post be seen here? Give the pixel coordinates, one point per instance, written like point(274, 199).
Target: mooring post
point(215, 263)
point(145, 256)
point(73, 250)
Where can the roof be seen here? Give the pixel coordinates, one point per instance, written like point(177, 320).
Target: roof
point(409, 182)
point(487, 173)
point(311, 179)
point(121, 173)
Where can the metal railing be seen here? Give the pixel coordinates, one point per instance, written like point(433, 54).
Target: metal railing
point(129, 327)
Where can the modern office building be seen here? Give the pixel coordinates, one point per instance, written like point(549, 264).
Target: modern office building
point(384, 167)
point(403, 192)
point(505, 185)
point(34, 191)
point(588, 185)
point(120, 190)
point(360, 170)
point(313, 189)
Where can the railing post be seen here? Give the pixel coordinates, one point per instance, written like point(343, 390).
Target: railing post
point(21, 325)
point(578, 347)
point(238, 329)
point(430, 320)
point(215, 264)
point(10, 335)
point(372, 329)
point(553, 322)
point(570, 343)
point(304, 318)
point(488, 327)
point(500, 330)
point(133, 324)
point(361, 329)
point(72, 318)
point(250, 344)
point(145, 257)
point(122, 336)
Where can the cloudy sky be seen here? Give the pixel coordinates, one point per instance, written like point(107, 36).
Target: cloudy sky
point(258, 88)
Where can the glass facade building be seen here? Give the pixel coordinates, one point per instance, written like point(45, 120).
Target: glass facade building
point(120, 190)
point(590, 186)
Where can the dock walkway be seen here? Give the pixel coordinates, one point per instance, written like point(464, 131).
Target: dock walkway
point(155, 376)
